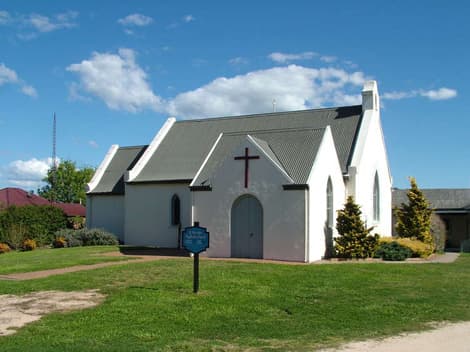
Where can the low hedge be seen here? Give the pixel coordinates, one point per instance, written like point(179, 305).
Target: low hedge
point(418, 249)
point(30, 222)
point(85, 237)
point(393, 251)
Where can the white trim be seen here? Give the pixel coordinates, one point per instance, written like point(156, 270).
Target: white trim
point(157, 140)
point(307, 227)
point(206, 159)
point(102, 168)
point(326, 134)
point(364, 128)
point(251, 139)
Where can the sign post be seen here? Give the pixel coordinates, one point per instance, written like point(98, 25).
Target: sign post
point(195, 240)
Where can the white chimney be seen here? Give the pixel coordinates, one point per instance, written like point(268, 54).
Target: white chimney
point(370, 96)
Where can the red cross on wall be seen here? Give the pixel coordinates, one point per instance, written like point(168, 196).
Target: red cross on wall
point(247, 158)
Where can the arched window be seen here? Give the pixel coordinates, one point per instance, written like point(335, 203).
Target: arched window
point(175, 210)
point(329, 203)
point(376, 198)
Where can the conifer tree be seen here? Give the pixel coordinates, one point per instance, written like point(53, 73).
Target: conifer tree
point(414, 218)
point(354, 240)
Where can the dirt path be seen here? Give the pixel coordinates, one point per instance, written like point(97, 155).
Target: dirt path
point(444, 258)
point(17, 311)
point(446, 337)
point(71, 269)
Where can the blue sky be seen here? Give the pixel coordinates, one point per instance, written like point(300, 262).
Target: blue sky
point(114, 71)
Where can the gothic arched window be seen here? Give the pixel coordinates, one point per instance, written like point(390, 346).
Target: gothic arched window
point(175, 210)
point(376, 198)
point(329, 203)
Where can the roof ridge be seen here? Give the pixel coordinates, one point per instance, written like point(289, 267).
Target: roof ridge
point(134, 146)
point(266, 114)
point(274, 130)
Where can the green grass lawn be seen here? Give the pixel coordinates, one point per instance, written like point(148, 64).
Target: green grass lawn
point(267, 307)
point(43, 259)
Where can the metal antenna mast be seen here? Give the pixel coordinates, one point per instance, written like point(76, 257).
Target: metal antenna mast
point(54, 159)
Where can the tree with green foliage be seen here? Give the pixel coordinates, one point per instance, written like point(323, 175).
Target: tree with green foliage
point(354, 240)
point(414, 218)
point(68, 183)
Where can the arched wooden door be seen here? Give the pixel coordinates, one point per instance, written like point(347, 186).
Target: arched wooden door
point(247, 228)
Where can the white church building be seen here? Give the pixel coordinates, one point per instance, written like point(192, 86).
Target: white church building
point(265, 186)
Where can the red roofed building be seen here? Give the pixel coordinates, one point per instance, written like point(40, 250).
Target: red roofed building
point(16, 196)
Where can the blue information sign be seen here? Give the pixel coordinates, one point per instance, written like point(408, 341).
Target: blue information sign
point(195, 239)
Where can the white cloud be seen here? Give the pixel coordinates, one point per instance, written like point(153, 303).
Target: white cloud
point(93, 144)
point(116, 79)
point(29, 91)
point(48, 24)
point(293, 87)
point(31, 25)
point(328, 59)
point(4, 17)
point(27, 173)
point(438, 94)
point(284, 58)
point(238, 61)
point(397, 95)
point(9, 76)
point(136, 19)
point(188, 18)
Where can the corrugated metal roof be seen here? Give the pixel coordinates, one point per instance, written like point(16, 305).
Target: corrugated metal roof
point(440, 198)
point(268, 151)
point(186, 145)
point(293, 151)
point(112, 181)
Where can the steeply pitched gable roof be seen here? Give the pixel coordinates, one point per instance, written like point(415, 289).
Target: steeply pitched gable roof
point(440, 198)
point(292, 150)
point(187, 144)
point(112, 181)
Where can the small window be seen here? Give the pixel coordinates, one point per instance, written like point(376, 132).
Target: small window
point(376, 198)
point(175, 210)
point(329, 203)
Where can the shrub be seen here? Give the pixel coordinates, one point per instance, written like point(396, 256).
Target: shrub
point(393, 251)
point(28, 245)
point(31, 221)
point(354, 240)
point(97, 237)
point(14, 235)
point(418, 248)
point(4, 248)
point(76, 222)
point(59, 242)
point(87, 237)
point(414, 218)
point(71, 237)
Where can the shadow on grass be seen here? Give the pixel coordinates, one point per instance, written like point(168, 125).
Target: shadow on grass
point(153, 251)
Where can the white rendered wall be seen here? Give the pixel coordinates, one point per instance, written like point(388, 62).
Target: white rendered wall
point(370, 157)
point(106, 212)
point(326, 166)
point(283, 211)
point(148, 214)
